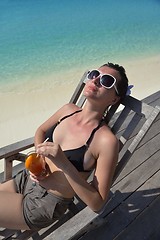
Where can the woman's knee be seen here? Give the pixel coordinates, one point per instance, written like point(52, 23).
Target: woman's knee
point(11, 211)
point(8, 186)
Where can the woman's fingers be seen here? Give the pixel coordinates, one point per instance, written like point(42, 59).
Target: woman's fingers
point(49, 144)
point(53, 152)
point(41, 176)
point(33, 177)
point(48, 149)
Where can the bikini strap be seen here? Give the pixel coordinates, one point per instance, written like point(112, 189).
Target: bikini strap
point(93, 132)
point(69, 115)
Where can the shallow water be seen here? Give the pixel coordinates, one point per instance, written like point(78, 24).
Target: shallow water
point(52, 39)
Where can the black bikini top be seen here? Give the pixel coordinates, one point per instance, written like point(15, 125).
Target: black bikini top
point(75, 156)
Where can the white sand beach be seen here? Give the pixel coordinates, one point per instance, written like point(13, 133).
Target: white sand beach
point(23, 112)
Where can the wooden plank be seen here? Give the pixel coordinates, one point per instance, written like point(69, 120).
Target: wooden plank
point(15, 170)
point(78, 89)
point(15, 148)
point(153, 99)
point(144, 129)
point(146, 226)
point(24, 235)
point(128, 210)
point(136, 140)
point(120, 120)
point(140, 155)
point(111, 112)
point(140, 200)
point(131, 182)
point(6, 233)
point(65, 232)
point(151, 132)
point(126, 133)
point(138, 106)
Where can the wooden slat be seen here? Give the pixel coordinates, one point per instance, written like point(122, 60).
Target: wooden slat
point(120, 120)
point(153, 99)
point(6, 233)
point(137, 139)
point(149, 147)
point(74, 225)
point(147, 225)
point(131, 182)
point(130, 203)
point(111, 112)
point(15, 148)
point(138, 106)
point(78, 89)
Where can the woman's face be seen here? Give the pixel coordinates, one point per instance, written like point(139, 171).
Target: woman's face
point(94, 90)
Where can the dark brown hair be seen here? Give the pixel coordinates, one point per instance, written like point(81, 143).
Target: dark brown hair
point(121, 85)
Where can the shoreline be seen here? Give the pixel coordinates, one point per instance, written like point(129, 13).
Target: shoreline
point(25, 111)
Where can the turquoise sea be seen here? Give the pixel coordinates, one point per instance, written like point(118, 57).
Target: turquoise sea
point(43, 37)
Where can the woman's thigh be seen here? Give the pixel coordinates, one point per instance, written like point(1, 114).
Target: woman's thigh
point(11, 212)
point(8, 186)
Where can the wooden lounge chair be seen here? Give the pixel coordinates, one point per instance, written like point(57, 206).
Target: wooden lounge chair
point(130, 121)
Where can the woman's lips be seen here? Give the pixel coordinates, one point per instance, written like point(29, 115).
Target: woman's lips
point(92, 88)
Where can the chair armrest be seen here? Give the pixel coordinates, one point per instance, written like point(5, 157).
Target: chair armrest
point(15, 148)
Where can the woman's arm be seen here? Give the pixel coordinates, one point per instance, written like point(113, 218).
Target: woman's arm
point(95, 194)
point(41, 130)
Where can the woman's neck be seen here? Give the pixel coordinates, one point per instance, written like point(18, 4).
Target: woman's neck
point(91, 113)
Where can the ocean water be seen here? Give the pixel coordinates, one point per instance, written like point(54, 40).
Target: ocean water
point(39, 38)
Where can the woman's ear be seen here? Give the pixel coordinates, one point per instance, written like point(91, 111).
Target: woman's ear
point(115, 100)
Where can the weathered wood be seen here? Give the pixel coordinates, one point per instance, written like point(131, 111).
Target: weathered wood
point(66, 233)
point(147, 149)
point(138, 106)
point(6, 233)
point(15, 148)
point(153, 99)
point(146, 226)
point(132, 200)
point(77, 93)
point(150, 118)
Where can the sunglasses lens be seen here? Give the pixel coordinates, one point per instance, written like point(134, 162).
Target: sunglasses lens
point(107, 81)
point(93, 74)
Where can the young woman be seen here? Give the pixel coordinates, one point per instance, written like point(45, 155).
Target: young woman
point(79, 141)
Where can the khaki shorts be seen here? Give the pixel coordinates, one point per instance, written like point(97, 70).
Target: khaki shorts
point(40, 208)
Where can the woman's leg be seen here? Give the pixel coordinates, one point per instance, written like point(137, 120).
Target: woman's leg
point(11, 211)
point(8, 186)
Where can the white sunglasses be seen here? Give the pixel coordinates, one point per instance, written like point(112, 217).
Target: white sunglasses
point(106, 80)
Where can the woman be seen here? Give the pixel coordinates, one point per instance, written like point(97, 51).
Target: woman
point(78, 143)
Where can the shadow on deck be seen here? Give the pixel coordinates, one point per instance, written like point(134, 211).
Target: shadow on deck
point(134, 212)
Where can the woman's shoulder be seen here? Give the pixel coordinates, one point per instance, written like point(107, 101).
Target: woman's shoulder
point(68, 109)
point(106, 136)
point(65, 110)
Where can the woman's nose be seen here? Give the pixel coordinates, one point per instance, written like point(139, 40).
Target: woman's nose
point(96, 81)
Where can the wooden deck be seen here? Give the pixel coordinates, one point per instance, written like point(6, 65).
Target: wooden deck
point(135, 210)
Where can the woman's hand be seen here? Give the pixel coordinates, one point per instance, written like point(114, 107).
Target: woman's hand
point(52, 151)
point(45, 173)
